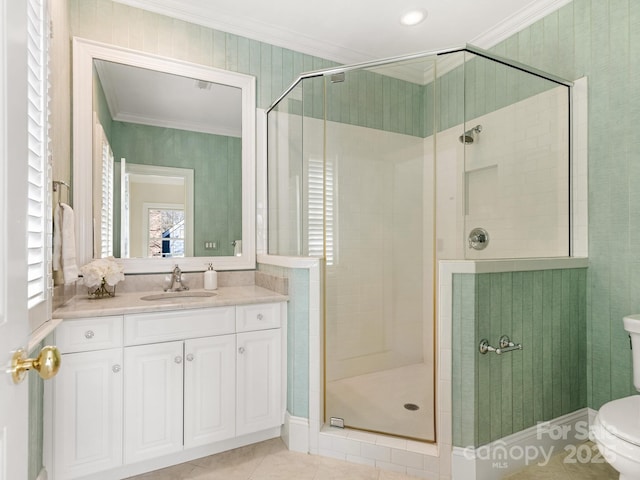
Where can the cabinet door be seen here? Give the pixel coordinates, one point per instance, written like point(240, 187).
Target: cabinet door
point(87, 413)
point(153, 400)
point(209, 390)
point(259, 381)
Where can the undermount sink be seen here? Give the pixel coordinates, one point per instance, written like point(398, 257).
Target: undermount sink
point(186, 295)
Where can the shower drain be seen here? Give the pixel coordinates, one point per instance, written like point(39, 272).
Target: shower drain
point(411, 406)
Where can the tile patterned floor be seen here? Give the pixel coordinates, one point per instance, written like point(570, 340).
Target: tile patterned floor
point(582, 463)
point(271, 460)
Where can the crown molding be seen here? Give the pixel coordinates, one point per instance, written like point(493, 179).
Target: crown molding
point(248, 28)
point(517, 22)
point(270, 34)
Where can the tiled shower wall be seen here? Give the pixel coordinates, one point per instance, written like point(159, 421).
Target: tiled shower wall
point(376, 272)
point(496, 395)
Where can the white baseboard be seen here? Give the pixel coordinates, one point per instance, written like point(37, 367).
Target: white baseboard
point(295, 433)
point(592, 415)
point(535, 445)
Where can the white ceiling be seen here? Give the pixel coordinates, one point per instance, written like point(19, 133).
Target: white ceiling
point(149, 97)
point(349, 31)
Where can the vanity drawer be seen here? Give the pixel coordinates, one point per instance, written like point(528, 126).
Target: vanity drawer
point(89, 334)
point(142, 328)
point(259, 316)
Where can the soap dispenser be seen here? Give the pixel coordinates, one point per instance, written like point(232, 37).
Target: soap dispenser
point(210, 278)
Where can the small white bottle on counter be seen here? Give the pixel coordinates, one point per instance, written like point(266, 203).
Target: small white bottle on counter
point(210, 278)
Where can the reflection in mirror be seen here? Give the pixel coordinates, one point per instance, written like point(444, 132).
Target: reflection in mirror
point(156, 211)
point(150, 118)
point(173, 155)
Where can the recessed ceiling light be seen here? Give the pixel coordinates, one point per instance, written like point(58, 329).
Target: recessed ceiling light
point(413, 17)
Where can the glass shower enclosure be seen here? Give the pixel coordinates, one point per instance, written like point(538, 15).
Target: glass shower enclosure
point(382, 169)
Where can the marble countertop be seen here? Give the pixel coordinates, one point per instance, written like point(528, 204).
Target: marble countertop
point(126, 303)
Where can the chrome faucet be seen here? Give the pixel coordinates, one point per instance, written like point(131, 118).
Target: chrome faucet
point(176, 284)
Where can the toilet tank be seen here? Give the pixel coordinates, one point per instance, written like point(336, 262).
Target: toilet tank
point(632, 325)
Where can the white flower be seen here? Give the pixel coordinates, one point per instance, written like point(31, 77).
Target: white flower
point(107, 269)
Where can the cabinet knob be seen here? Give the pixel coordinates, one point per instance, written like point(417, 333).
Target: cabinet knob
point(89, 334)
point(178, 359)
point(260, 316)
point(116, 368)
point(190, 357)
point(241, 350)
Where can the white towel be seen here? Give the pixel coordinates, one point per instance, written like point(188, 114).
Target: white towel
point(57, 238)
point(68, 250)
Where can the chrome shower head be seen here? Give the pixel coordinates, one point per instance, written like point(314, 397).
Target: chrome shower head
point(470, 135)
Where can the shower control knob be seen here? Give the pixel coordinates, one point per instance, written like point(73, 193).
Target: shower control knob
point(478, 239)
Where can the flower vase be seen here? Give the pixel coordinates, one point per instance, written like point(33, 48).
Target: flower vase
point(102, 291)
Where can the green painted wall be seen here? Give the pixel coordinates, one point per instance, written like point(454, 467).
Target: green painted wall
point(365, 99)
point(297, 337)
point(496, 395)
point(217, 164)
point(600, 39)
point(100, 105)
point(478, 87)
point(36, 426)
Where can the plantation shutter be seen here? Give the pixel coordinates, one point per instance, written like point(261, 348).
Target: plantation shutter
point(37, 239)
point(321, 217)
point(106, 223)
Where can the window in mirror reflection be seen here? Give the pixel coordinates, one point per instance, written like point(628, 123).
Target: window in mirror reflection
point(166, 232)
point(156, 218)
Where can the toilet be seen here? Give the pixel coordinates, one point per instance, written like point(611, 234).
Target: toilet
point(616, 429)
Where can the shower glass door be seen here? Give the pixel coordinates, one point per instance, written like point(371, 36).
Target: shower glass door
point(378, 249)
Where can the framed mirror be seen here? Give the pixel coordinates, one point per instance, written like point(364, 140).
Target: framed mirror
point(164, 161)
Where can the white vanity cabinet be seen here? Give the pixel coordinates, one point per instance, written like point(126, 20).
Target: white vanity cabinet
point(153, 401)
point(164, 380)
point(209, 390)
point(87, 398)
point(259, 366)
point(161, 374)
point(164, 384)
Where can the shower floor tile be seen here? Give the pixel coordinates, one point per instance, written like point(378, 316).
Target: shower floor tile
point(376, 401)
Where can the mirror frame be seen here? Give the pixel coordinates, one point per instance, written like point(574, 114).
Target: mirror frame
point(84, 52)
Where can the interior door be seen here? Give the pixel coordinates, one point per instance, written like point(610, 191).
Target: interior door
point(14, 324)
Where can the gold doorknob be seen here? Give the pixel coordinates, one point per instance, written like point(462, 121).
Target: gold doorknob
point(46, 364)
